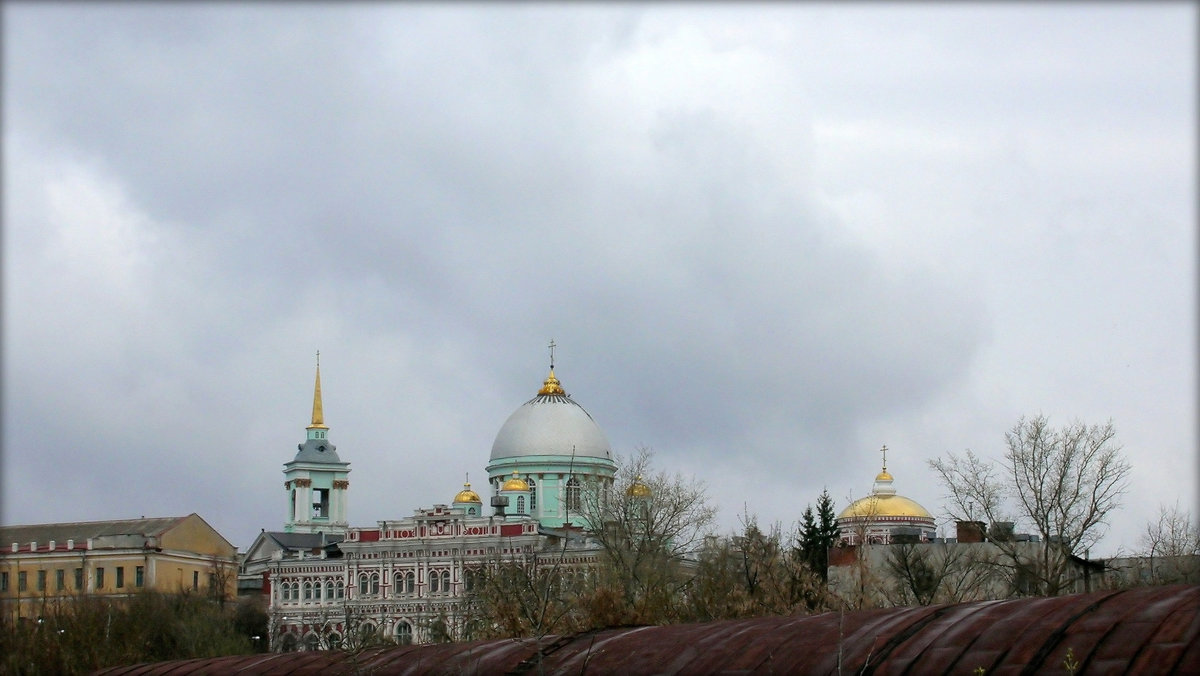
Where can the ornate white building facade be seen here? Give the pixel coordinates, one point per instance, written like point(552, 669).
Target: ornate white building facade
point(407, 579)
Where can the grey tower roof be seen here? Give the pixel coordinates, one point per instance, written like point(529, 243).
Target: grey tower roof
point(318, 451)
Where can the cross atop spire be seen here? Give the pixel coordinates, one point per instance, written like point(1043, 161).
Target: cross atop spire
point(884, 452)
point(552, 346)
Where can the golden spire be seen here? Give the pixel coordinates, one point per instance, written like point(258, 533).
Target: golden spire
point(551, 386)
point(318, 416)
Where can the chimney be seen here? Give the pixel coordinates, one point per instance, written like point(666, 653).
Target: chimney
point(969, 531)
point(499, 503)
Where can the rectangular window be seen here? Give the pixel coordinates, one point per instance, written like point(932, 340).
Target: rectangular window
point(99, 579)
point(212, 581)
point(3, 582)
point(41, 580)
point(120, 577)
point(78, 578)
point(22, 583)
point(139, 576)
point(60, 579)
point(195, 579)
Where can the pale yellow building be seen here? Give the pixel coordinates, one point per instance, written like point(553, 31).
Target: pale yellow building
point(45, 562)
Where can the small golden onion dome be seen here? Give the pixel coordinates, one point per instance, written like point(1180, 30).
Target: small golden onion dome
point(467, 495)
point(516, 483)
point(551, 386)
point(883, 506)
point(883, 476)
point(638, 489)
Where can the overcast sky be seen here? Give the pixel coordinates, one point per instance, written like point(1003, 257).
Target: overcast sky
point(767, 239)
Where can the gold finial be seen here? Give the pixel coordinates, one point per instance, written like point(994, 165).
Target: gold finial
point(884, 476)
point(318, 415)
point(552, 386)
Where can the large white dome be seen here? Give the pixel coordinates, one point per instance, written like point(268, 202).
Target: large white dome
point(551, 424)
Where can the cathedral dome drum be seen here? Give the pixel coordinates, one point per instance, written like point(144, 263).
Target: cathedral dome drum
point(883, 515)
point(548, 455)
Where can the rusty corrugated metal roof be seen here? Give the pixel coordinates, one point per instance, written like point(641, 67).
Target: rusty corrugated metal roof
point(1152, 630)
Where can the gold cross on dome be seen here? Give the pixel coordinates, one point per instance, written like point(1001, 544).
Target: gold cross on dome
point(552, 353)
point(884, 452)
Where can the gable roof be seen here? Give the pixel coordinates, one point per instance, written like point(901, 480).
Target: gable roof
point(292, 541)
point(81, 531)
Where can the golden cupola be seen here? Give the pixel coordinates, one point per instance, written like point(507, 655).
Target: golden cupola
point(638, 489)
point(515, 483)
point(467, 495)
point(883, 502)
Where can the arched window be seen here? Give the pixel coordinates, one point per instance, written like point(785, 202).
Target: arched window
point(307, 591)
point(520, 504)
point(340, 590)
point(532, 495)
point(364, 584)
point(435, 582)
point(403, 633)
point(410, 582)
point(375, 583)
point(328, 590)
point(446, 581)
point(574, 504)
point(367, 631)
point(398, 583)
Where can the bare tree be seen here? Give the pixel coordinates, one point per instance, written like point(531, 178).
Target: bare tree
point(1172, 534)
point(927, 573)
point(650, 527)
point(532, 596)
point(1062, 482)
point(1170, 545)
point(756, 573)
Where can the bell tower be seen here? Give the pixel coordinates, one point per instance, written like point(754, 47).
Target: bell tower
point(316, 480)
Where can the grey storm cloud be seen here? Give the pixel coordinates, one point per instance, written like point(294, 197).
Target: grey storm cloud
point(766, 240)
